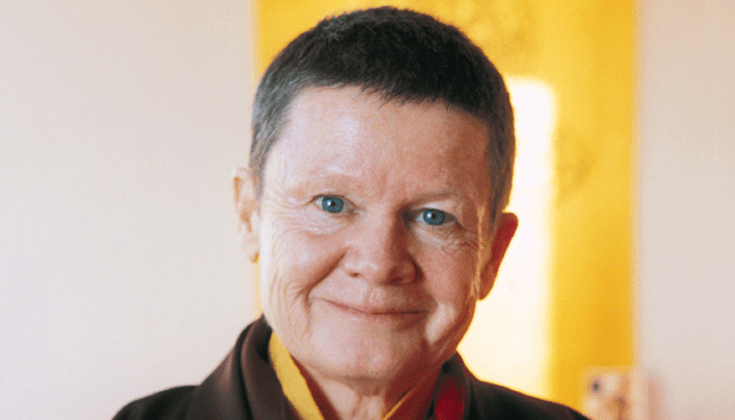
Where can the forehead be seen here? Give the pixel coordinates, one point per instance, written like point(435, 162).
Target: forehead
point(348, 132)
point(348, 112)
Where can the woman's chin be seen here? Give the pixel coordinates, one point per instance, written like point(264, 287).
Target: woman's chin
point(368, 363)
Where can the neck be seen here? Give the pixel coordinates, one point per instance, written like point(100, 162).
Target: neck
point(353, 400)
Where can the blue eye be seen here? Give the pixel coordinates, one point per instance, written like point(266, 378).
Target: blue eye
point(331, 204)
point(433, 217)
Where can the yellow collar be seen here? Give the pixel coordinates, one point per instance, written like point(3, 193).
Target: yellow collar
point(413, 405)
point(293, 383)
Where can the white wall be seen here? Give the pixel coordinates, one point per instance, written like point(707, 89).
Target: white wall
point(120, 125)
point(687, 205)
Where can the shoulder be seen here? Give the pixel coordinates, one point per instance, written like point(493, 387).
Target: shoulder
point(165, 405)
point(494, 401)
point(222, 395)
point(490, 401)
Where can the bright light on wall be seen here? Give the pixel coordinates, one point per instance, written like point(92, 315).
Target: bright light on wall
point(508, 340)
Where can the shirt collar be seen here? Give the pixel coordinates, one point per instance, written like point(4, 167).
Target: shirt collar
point(415, 404)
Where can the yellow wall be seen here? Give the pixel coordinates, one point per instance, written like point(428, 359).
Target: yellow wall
point(583, 50)
point(588, 58)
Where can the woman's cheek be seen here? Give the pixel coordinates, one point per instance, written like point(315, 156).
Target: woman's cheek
point(305, 259)
point(454, 277)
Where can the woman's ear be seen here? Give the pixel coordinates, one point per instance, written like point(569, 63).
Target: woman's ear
point(507, 226)
point(246, 208)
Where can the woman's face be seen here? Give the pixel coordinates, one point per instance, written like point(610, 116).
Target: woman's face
point(373, 234)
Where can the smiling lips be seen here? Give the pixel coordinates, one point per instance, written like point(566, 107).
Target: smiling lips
point(386, 314)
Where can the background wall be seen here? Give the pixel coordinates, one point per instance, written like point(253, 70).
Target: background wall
point(686, 315)
point(120, 125)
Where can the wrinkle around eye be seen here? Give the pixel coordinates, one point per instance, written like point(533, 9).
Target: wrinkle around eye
point(317, 220)
point(448, 220)
point(450, 236)
point(450, 243)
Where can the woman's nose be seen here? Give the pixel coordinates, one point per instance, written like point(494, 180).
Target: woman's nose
point(379, 251)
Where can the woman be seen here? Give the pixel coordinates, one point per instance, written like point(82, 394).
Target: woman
point(380, 167)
